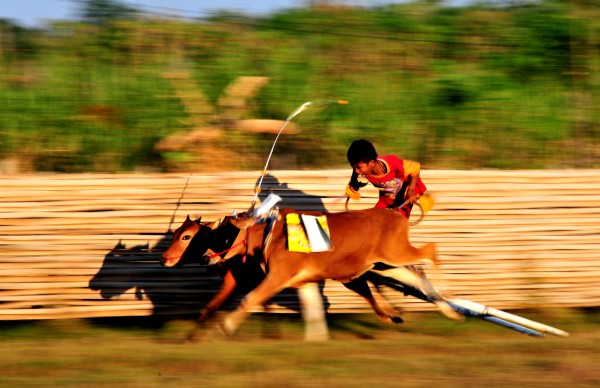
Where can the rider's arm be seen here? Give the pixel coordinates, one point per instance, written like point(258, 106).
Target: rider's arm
point(412, 170)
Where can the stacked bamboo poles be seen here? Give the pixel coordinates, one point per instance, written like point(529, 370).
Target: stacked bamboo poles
point(87, 245)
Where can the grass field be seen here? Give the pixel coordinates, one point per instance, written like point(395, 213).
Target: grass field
point(426, 350)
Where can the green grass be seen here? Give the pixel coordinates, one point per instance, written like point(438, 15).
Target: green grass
point(269, 351)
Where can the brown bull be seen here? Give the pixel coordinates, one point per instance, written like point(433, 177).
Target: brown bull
point(243, 273)
point(240, 274)
point(361, 240)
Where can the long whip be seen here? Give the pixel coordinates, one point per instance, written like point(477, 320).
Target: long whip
point(187, 181)
point(295, 113)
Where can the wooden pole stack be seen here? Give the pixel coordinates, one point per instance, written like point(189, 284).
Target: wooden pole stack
point(87, 245)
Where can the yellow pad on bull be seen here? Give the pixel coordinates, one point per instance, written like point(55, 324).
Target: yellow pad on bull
point(307, 233)
point(297, 238)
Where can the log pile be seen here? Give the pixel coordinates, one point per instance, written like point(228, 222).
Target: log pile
point(87, 245)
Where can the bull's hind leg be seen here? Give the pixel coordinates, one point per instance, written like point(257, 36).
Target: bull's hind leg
point(259, 296)
point(427, 253)
point(433, 294)
point(385, 311)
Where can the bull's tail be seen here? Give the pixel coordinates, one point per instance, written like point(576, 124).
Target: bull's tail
point(427, 254)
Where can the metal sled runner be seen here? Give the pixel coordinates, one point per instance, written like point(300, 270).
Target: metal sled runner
point(472, 309)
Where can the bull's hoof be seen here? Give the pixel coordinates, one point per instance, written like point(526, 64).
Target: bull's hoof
point(194, 336)
point(217, 333)
point(390, 319)
point(190, 339)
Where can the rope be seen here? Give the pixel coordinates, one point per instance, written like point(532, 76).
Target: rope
point(231, 247)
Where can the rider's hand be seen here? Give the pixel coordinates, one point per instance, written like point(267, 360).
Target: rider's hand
point(351, 193)
point(410, 195)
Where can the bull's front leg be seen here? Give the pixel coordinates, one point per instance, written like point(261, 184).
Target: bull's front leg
point(313, 312)
point(269, 287)
point(227, 288)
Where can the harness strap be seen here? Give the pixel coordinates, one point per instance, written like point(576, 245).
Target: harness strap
point(230, 248)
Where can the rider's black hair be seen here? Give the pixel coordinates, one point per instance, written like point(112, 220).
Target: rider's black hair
point(361, 151)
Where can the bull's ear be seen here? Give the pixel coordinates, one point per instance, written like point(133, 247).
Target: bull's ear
point(248, 223)
point(188, 218)
point(197, 221)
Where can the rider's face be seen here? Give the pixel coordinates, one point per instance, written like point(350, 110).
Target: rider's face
point(364, 169)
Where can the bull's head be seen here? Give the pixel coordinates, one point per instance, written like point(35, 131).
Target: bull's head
point(190, 240)
point(222, 239)
point(209, 242)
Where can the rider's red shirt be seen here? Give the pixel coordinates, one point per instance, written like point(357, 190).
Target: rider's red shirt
point(394, 182)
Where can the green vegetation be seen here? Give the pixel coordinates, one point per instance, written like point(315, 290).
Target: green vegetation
point(483, 86)
point(427, 349)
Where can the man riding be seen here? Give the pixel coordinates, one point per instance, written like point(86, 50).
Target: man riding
point(398, 181)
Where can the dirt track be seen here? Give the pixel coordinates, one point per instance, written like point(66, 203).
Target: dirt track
point(268, 351)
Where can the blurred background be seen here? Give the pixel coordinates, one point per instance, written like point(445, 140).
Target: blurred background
point(153, 86)
point(121, 87)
